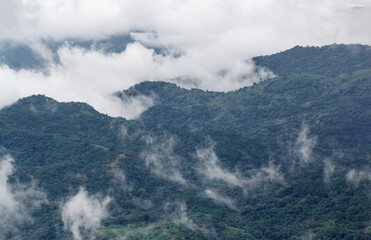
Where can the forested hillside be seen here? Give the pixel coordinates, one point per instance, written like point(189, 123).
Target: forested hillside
point(287, 158)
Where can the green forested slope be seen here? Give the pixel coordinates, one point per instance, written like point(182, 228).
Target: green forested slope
point(329, 60)
point(285, 148)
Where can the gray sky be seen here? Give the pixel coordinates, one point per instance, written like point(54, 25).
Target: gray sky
point(212, 36)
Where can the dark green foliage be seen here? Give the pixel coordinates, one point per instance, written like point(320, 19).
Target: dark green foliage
point(67, 145)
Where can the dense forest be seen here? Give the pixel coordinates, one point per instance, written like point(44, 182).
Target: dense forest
point(286, 158)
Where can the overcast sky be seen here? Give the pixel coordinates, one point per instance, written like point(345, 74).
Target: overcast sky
point(210, 36)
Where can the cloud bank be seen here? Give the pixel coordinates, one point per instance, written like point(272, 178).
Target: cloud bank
point(93, 76)
point(85, 76)
point(83, 213)
point(206, 43)
point(192, 23)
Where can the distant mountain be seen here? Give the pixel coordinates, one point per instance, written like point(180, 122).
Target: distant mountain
point(19, 55)
point(287, 158)
point(330, 60)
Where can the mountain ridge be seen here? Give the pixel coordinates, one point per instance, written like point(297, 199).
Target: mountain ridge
point(276, 160)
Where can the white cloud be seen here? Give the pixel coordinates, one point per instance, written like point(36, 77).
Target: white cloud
point(160, 158)
point(123, 132)
point(210, 168)
point(177, 213)
point(215, 40)
point(16, 200)
point(92, 76)
point(119, 182)
point(192, 23)
point(83, 213)
point(132, 106)
point(330, 165)
point(304, 145)
point(355, 176)
point(268, 173)
point(85, 76)
point(220, 199)
point(7, 200)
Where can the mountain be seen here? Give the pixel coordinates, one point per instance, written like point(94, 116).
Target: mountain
point(328, 60)
point(27, 55)
point(287, 158)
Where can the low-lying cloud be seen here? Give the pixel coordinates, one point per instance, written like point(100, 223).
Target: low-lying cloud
point(160, 158)
point(177, 213)
point(211, 171)
point(174, 212)
point(119, 181)
point(328, 169)
point(83, 213)
point(123, 132)
point(131, 107)
point(210, 167)
point(268, 173)
point(355, 176)
point(304, 145)
point(220, 199)
point(16, 200)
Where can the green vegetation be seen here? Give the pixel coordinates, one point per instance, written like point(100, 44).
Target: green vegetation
point(68, 145)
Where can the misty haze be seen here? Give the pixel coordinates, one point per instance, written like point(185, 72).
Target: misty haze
point(185, 119)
